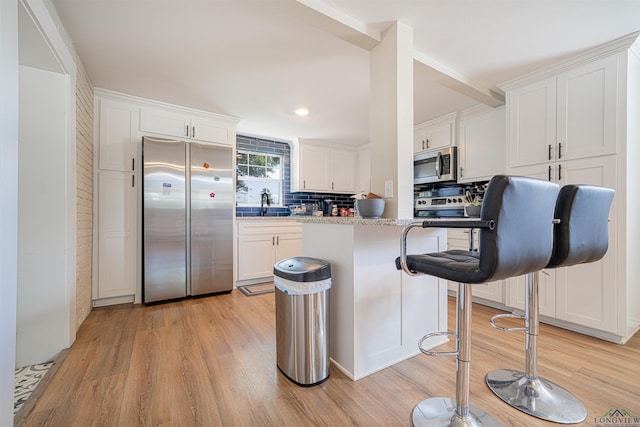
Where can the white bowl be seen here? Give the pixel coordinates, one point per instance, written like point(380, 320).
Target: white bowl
point(472, 210)
point(370, 208)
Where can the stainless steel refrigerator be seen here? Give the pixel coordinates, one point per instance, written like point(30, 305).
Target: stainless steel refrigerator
point(187, 219)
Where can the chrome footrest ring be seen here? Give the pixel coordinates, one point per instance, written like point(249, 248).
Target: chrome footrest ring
point(507, 316)
point(438, 353)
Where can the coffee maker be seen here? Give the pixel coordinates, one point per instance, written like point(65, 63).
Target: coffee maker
point(327, 207)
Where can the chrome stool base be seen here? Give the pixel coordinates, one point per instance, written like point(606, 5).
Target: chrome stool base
point(441, 412)
point(536, 396)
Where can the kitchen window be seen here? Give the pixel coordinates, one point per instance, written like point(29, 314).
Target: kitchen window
point(258, 173)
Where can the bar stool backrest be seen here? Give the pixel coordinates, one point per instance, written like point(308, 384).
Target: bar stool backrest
point(522, 239)
point(582, 235)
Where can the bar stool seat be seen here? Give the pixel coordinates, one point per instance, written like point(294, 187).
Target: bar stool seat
point(581, 236)
point(516, 237)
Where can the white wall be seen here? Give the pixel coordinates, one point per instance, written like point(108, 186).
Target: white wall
point(8, 202)
point(364, 169)
point(43, 314)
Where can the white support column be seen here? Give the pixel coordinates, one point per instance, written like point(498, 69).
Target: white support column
point(391, 119)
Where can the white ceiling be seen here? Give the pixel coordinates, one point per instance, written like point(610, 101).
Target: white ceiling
point(254, 60)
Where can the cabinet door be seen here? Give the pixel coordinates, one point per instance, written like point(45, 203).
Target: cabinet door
point(440, 135)
point(314, 168)
point(516, 290)
point(117, 139)
point(343, 164)
point(586, 102)
point(165, 122)
point(116, 234)
point(288, 246)
point(531, 113)
point(546, 171)
point(255, 256)
point(482, 146)
point(419, 139)
point(211, 130)
point(459, 239)
point(586, 293)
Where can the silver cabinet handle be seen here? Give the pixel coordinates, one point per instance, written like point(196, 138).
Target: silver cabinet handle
point(186, 130)
point(133, 181)
point(193, 131)
point(273, 240)
point(332, 186)
point(559, 150)
point(559, 172)
point(549, 172)
point(133, 165)
point(549, 151)
point(304, 183)
point(278, 240)
point(427, 142)
point(461, 172)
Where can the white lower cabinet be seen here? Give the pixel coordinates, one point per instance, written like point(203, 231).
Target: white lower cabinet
point(583, 294)
point(262, 243)
point(492, 291)
point(515, 289)
point(116, 236)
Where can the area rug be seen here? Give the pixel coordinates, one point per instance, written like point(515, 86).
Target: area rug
point(258, 289)
point(25, 382)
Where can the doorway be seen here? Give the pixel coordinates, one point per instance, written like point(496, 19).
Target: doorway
point(45, 312)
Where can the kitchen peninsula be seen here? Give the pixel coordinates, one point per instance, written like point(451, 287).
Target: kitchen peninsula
point(377, 313)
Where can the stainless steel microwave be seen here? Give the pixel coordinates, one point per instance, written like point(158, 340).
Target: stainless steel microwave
point(435, 166)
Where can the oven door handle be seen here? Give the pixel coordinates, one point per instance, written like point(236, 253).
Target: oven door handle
point(438, 163)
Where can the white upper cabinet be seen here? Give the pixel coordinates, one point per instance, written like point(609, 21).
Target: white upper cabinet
point(343, 178)
point(482, 144)
point(568, 116)
point(187, 125)
point(322, 168)
point(435, 133)
point(314, 163)
point(117, 133)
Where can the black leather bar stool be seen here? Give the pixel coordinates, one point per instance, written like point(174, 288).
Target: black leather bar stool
point(581, 236)
point(516, 237)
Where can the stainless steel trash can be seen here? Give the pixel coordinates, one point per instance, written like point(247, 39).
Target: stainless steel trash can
point(302, 319)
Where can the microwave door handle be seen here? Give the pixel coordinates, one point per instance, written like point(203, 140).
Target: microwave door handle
point(438, 163)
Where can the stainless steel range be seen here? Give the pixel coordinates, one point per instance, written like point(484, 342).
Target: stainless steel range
point(443, 202)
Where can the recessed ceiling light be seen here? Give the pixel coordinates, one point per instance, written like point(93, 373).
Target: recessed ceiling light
point(301, 111)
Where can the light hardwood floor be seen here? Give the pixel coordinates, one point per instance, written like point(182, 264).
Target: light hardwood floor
point(211, 362)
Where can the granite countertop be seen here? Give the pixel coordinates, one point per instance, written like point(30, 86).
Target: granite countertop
point(347, 220)
point(266, 218)
point(353, 220)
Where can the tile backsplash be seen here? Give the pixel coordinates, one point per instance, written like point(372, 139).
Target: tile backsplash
point(283, 149)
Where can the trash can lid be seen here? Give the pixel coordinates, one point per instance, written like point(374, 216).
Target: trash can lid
point(303, 269)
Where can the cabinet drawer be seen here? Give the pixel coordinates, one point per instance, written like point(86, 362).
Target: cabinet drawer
point(269, 227)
